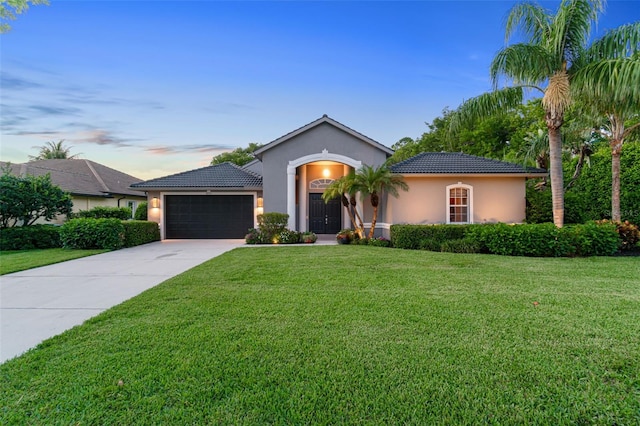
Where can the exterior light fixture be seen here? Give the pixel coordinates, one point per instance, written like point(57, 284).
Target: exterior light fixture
point(260, 202)
point(155, 202)
point(326, 173)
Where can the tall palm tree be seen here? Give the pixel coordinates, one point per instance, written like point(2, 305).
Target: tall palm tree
point(54, 151)
point(548, 57)
point(374, 181)
point(608, 82)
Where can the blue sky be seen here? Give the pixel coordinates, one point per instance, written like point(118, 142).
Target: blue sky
point(153, 88)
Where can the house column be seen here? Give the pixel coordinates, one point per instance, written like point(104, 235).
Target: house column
point(302, 197)
point(291, 196)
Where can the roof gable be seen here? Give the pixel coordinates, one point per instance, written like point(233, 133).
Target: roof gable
point(224, 175)
point(322, 120)
point(81, 177)
point(459, 163)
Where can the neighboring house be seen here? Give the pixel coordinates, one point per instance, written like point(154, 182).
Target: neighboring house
point(290, 174)
point(90, 184)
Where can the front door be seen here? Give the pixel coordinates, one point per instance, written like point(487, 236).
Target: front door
point(324, 218)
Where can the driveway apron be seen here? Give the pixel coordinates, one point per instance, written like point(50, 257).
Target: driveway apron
point(43, 302)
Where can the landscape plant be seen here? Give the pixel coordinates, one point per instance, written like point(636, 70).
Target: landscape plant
point(30, 237)
point(93, 234)
point(105, 212)
point(138, 232)
point(141, 211)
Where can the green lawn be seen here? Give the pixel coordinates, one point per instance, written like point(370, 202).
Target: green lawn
point(14, 261)
point(350, 335)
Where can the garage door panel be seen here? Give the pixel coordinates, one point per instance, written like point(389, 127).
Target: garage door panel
point(208, 216)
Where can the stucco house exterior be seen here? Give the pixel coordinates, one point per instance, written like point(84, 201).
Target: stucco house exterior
point(290, 174)
point(90, 184)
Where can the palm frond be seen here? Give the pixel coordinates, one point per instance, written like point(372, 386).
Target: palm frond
point(621, 42)
point(528, 18)
point(571, 27)
point(485, 105)
point(613, 82)
point(523, 63)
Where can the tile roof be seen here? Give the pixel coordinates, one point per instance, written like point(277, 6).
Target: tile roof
point(324, 119)
point(224, 175)
point(458, 163)
point(81, 177)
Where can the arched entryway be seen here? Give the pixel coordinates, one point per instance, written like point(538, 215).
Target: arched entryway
point(308, 177)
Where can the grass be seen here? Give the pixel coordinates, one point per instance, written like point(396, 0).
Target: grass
point(21, 260)
point(344, 334)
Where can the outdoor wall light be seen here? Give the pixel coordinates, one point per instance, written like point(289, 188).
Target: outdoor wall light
point(326, 173)
point(260, 202)
point(155, 202)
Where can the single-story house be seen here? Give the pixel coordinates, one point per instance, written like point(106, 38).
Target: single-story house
point(290, 174)
point(90, 184)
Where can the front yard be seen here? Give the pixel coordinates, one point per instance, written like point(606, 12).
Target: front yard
point(15, 261)
point(354, 334)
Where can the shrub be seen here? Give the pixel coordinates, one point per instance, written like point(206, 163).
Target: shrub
point(593, 239)
point(539, 206)
point(308, 237)
point(253, 237)
point(464, 245)
point(539, 240)
point(101, 212)
point(345, 236)
point(379, 242)
point(272, 224)
point(92, 234)
point(628, 232)
point(141, 211)
point(425, 237)
point(30, 237)
point(137, 232)
point(287, 237)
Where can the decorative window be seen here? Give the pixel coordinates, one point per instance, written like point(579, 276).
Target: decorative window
point(320, 183)
point(459, 203)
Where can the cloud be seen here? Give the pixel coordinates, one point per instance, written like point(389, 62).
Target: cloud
point(55, 110)
point(102, 137)
point(175, 149)
point(9, 82)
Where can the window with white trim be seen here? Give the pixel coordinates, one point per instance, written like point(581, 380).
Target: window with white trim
point(320, 183)
point(459, 203)
point(132, 205)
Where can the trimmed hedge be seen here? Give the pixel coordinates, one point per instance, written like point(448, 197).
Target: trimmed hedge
point(425, 237)
point(536, 240)
point(101, 212)
point(93, 234)
point(141, 211)
point(30, 237)
point(138, 232)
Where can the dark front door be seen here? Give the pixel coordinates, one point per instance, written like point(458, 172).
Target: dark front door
point(324, 218)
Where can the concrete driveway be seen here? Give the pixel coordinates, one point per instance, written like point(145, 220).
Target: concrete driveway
point(43, 302)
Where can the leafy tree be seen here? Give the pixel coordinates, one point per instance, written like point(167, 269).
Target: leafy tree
point(239, 156)
point(54, 151)
point(373, 182)
point(609, 84)
point(550, 56)
point(10, 8)
point(23, 200)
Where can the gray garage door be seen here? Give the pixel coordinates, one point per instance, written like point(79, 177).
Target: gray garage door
point(208, 216)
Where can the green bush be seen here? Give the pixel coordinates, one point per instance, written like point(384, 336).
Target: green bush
point(379, 242)
point(308, 237)
point(464, 245)
point(272, 224)
point(137, 232)
point(287, 237)
point(592, 239)
point(545, 240)
point(628, 232)
point(425, 237)
point(539, 206)
point(30, 237)
point(100, 212)
point(141, 212)
point(253, 237)
point(93, 234)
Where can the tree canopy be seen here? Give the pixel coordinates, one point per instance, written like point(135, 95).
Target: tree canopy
point(54, 151)
point(239, 156)
point(10, 8)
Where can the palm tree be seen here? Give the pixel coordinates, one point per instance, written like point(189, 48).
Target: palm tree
point(554, 43)
point(342, 187)
point(374, 181)
point(54, 151)
point(609, 83)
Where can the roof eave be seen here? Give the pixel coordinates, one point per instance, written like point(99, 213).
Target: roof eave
point(521, 175)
